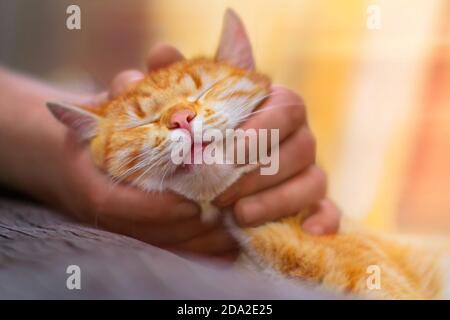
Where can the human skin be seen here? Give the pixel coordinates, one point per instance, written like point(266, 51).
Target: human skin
point(42, 159)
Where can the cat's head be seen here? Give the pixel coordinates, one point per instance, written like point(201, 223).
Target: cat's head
point(132, 136)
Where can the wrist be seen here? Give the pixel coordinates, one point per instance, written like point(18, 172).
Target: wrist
point(30, 138)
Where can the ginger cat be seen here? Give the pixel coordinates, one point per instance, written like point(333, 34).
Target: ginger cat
point(130, 138)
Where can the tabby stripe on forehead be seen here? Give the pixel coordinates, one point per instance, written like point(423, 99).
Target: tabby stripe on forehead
point(161, 82)
point(137, 108)
point(196, 78)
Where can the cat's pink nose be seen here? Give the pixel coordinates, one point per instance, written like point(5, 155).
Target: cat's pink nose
point(180, 119)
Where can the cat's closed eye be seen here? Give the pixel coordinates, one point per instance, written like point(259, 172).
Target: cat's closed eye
point(141, 123)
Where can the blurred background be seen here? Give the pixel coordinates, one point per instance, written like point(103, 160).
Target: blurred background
point(375, 76)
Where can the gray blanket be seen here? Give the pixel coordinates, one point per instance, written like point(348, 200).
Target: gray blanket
point(37, 246)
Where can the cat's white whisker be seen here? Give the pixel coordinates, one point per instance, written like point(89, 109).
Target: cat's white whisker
point(204, 92)
point(154, 160)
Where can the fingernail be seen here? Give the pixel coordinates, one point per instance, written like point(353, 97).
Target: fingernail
point(186, 209)
point(252, 211)
point(315, 230)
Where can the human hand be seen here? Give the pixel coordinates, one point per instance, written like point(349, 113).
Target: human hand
point(172, 222)
point(299, 184)
point(162, 219)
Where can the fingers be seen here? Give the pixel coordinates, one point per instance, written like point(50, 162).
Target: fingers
point(324, 219)
point(156, 234)
point(284, 200)
point(159, 56)
point(97, 99)
point(162, 55)
point(216, 242)
point(176, 232)
point(124, 80)
point(296, 153)
point(151, 207)
point(102, 196)
point(283, 110)
point(121, 82)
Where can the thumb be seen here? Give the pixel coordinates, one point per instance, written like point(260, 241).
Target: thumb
point(162, 55)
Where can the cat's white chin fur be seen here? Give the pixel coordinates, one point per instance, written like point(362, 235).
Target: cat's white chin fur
point(202, 185)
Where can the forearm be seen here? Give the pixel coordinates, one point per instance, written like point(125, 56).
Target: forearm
point(30, 139)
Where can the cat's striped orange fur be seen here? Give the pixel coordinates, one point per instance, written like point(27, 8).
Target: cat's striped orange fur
point(152, 102)
point(129, 138)
point(409, 267)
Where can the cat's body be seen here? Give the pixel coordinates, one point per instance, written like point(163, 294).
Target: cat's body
point(355, 260)
point(130, 139)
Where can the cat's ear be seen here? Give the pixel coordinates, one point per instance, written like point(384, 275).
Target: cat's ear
point(83, 122)
point(234, 45)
